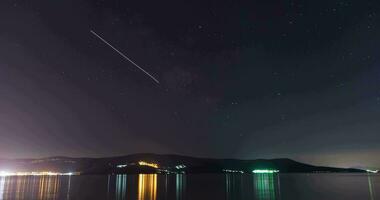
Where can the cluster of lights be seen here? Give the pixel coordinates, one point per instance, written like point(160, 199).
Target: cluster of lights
point(166, 171)
point(4, 173)
point(232, 171)
point(180, 166)
point(265, 171)
point(121, 166)
point(143, 163)
point(372, 171)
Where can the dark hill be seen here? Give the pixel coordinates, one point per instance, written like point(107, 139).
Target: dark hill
point(165, 163)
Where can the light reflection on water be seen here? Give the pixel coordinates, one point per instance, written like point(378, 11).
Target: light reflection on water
point(147, 189)
point(264, 187)
point(33, 187)
point(233, 186)
point(371, 188)
point(267, 186)
point(121, 186)
point(2, 185)
point(182, 186)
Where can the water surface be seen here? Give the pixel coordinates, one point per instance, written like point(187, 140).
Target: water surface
point(193, 187)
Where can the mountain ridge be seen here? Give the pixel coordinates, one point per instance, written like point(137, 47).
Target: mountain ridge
point(166, 163)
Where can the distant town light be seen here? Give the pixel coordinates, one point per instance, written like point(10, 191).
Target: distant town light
point(4, 173)
point(372, 171)
point(233, 171)
point(121, 166)
point(143, 163)
point(180, 166)
point(265, 171)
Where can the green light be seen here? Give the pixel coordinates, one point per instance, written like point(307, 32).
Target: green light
point(265, 171)
point(121, 186)
point(180, 186)
point(266, 187)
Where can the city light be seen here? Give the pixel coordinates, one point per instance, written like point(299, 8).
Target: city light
point(143, 163)
point(5, 173)
point(180, 166)
point(232, 171)
point(372, 171)
point(265, 171)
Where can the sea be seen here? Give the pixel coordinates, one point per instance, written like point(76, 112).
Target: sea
point(280, 186)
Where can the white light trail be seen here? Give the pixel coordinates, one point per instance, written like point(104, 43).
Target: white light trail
point(124, 56)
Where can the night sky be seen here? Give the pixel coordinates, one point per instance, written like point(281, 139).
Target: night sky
point(238, 79)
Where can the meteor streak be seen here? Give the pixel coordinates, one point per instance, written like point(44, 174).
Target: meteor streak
point(124, 56)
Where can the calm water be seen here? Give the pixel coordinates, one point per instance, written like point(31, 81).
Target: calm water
point(194, 187)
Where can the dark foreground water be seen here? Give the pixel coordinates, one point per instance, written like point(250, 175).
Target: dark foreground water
point(194, 187)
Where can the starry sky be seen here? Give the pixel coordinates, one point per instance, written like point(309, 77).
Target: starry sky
point(238, 79)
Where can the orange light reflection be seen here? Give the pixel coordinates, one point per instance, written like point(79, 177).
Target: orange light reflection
point(147, 187)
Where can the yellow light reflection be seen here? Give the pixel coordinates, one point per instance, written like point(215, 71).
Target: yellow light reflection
point(147, 189)
point(30, 187)
point(48, 187)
